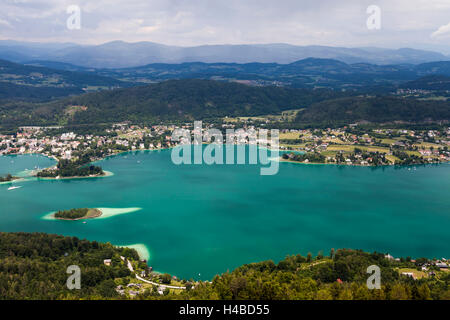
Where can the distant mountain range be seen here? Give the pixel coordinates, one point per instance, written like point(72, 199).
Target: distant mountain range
point(307, 73)
point(119, 54)
point(47, 79)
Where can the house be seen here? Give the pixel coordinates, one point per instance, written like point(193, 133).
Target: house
point(133, 293)
point(442, 265)
point(107, 262)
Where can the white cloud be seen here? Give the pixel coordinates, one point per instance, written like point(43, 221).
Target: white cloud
point(196, 22)
point(443, 30)
point(5, 23)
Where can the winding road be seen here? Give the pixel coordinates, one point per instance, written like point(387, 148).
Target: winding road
point(162, 286)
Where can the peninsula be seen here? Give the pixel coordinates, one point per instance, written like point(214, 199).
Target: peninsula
point(8, 178)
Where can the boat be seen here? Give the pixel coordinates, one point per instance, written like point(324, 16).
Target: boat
point(13, 188)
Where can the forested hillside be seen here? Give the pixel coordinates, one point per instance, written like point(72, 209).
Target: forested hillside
point(33, 266)
point(194, 99)
point(374, 109)
point(183, 100)
point(340, 276)
point(11, 91)
point(432, 83)
point(19, 81)
point(306, 73)
point(188, 100)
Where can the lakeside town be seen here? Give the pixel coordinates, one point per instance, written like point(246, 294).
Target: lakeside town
point(350, 145)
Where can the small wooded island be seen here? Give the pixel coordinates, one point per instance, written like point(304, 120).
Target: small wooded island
point(78, 214)
point(71, 169)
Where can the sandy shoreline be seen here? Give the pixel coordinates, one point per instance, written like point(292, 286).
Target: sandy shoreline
point(12, 181)
point(106, 213)
point(142, 250)
point(105, 175)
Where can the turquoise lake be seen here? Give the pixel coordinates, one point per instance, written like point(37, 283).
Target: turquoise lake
point(199, 220)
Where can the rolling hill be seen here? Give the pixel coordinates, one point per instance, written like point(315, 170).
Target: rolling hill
point(375, 109)
point(307, 73)
point(432, 83)
point(10, 91)
point(184, 100)
point(189, 100)
point(192, 99)
point(43, 83)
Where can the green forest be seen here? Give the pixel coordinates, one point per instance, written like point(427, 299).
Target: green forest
point(72, 213)
point(374, 109)
point(188, 100)
point(67, 168)
point(33, 266)
point(340, 276)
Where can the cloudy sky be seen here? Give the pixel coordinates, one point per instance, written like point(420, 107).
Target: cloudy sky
point(404, 23)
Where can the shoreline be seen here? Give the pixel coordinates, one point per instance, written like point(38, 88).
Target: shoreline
point(106, 213)
point(364, 166)
point(141, 248)
point(13, 181)
point(105, 175)
point(280, 159)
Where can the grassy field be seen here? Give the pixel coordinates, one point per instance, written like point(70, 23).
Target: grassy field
point(351, 148)
point(411, 153)
point(295, 146)
point(437, 98)
point(335, 140)
point(290, 135)
point(428, 145)
point(329, 153)
point(290, 115)
point(392, 159)
point(388, 141)
point(417, 274)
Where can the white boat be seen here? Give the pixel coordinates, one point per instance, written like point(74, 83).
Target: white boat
point(13, 188)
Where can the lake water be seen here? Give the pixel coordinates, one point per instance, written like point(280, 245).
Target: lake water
point(197, 221)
